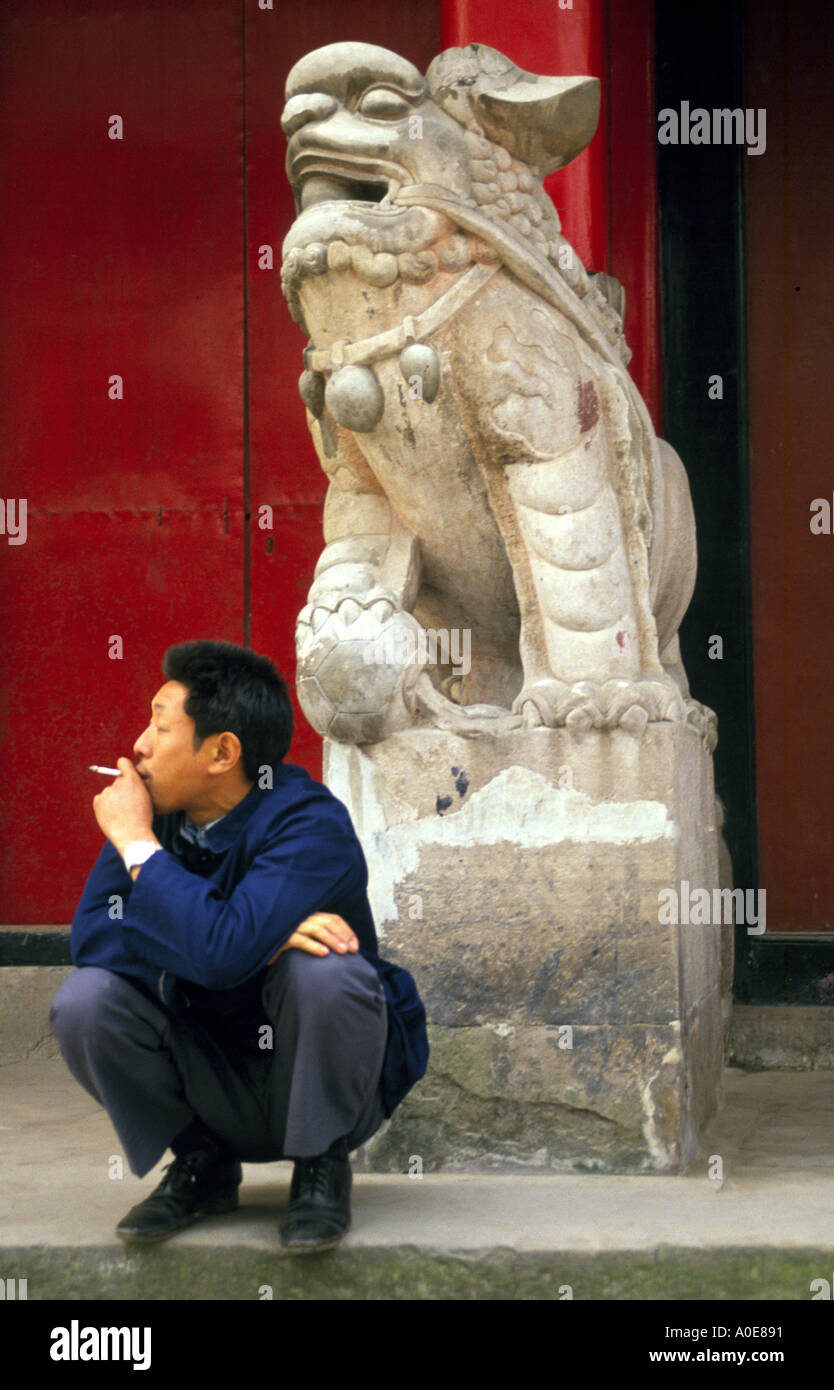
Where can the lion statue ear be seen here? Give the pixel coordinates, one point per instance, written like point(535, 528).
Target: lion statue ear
point(544, 121)
point(547, 125)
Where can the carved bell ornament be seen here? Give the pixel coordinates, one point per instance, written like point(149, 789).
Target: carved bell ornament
point(353, 395)
point(421, 361)
point(311, 391)
point(354, 398)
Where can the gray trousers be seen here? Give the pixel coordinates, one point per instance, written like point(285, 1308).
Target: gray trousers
point(154, 1071)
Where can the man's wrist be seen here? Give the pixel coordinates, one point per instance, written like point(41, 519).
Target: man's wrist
point(137, 850)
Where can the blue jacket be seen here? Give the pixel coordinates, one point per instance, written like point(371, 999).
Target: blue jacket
point(278, 856)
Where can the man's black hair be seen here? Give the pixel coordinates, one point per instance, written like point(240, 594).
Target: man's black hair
point(232, 688)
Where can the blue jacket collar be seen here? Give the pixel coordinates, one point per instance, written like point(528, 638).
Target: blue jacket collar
point(221, 835)
point(224, 833)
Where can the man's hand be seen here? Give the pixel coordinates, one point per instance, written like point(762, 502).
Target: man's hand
point(124, 809)
point(319, 934)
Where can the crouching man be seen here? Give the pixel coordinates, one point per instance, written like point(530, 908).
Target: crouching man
point(229, 1002)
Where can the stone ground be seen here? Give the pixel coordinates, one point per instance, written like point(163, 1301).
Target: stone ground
point(763, 1233)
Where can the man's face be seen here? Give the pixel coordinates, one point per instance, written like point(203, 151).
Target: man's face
point(175, 776)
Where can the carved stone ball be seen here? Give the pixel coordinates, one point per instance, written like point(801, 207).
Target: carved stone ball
point(354, 398)
point(351, 672)
point(420, 360)
point(311, 391)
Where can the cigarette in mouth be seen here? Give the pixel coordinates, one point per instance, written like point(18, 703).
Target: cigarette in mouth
point(106, 771)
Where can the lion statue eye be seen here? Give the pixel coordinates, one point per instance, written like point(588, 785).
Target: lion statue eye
point(383, 104)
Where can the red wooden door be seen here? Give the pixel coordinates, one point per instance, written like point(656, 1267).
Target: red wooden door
point(122, 399)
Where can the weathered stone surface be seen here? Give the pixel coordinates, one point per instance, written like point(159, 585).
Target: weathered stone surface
point(525, 907)
point(728, 944)
point(703, 1049)
point(506, 1097)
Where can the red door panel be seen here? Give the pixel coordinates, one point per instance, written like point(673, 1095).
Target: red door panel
point(117, 257)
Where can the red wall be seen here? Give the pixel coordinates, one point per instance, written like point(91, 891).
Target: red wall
point(138, 257)
point(789, 200)
point(119, 257)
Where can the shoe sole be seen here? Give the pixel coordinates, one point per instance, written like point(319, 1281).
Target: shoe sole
point(313, 1249)
point(218, 1207)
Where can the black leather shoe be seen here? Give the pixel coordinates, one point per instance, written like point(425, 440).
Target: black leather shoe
point(196, 1184)
point(318, 1214)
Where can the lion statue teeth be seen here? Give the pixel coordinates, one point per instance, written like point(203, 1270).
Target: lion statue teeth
point(493, 469)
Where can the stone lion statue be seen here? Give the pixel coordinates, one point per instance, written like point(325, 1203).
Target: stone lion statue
point(508, 544)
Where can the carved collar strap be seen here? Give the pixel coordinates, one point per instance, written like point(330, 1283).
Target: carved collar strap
point(523, 260)
point(411, 330)
point(535, 271)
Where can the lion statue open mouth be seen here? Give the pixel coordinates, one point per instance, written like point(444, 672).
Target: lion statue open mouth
point(493, 469)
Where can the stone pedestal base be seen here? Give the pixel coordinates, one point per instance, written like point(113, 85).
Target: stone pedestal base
point(519, 879)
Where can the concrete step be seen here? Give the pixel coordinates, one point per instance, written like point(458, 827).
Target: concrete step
point(764, 1229)
point(35, 945)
